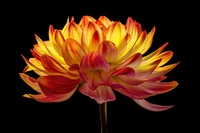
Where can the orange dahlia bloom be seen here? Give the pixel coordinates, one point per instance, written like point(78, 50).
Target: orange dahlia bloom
point(98, 57)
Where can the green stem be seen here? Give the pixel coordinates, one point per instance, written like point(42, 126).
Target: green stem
point(103, 117)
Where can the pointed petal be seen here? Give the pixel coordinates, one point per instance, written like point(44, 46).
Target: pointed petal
point(94, 61)
point(147, 42)
point(106, 22)
point(165, 56)
point(152, 107)
point(92, 37)
point(160, 71)
point(131, 29)
point(40, 43)
point(85, 20)
point(34, 66)
point(51, 65)
point(115, 33)
point(144, 71)
point(139, 42)
point(159, 87)
point(72, 52)
point(73, 31)
point(155, 53)
point(102, 94)
point(54, 84)
point(106, 48)
point(31, 82)
point(58, 41)
point(35, 54)
point(47, 99)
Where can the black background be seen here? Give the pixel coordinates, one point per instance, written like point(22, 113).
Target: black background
point(80, 113)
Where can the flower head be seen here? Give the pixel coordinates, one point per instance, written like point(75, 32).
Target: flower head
point(98, 57)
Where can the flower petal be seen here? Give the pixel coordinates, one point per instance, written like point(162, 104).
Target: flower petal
point(58, 41)
point(34, 66)
point(94, 61)
point(51, 65)
point(139, 42)
point(106, 22)
point(31, 82)
point(132, 61)
point(117, 34)
point(92, 37)
point(126, 71)
point(159, 87)
point(147, 42)
point(54, 84)
point(152, 107)
point(102, 94)
point(72, 52)
point(155, 53)
point(144, 71)
point(85, 20)
point(160, 71)
point(47, 99)
point(73, 31)
point(106, 48)
point(94, 78)
point(129, 90)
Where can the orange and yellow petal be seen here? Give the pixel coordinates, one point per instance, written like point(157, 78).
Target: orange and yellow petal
point(92, 37)
point(32, 82)
point(72, 52)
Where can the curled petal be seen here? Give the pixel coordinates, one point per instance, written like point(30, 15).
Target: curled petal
point(51, 65)
point(72, 52)
point(31, 82)
point(92, 37)
point(129, 90)
point(94, 61)
point(85, 20)
point(108, 50)
point(132, 61)
point(152, 107)
point(126, 71)
point(106, 22)
point(94, 78)
point(102, 94)
point(53, 84)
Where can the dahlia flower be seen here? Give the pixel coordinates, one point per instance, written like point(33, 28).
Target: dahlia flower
point(99, 57)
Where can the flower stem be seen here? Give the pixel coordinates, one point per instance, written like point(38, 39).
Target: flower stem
point(103, 117)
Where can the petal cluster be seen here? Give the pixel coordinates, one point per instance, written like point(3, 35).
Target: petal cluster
point(99, 57)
